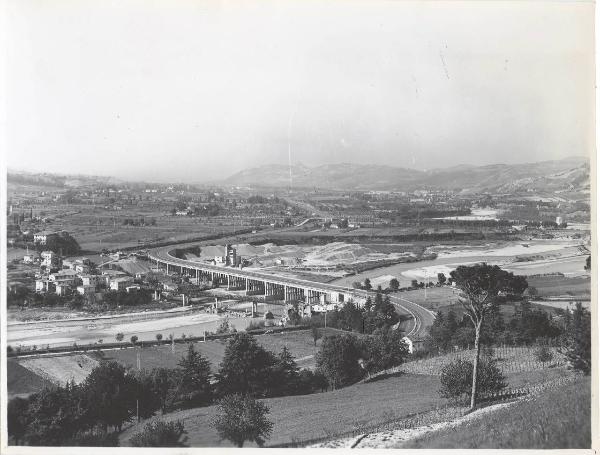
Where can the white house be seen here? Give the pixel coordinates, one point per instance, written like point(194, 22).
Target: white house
point(86, 290)
point(90, 280)
point(121, 284)
point(49, 258)
point(42, 237)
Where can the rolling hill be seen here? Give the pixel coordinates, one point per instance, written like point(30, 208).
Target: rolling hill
point(567, 174)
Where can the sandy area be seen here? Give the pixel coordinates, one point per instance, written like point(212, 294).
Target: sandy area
point(60, 369)
point(306, 255)
point(62, 333)
point(514, 249)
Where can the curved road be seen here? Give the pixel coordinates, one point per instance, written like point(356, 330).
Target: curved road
point(422, 317)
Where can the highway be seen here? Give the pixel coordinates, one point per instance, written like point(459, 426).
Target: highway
point(422, 317)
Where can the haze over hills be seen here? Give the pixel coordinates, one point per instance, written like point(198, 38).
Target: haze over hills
point(569, 173)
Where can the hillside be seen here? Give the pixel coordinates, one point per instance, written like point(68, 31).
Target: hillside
point(566, 174)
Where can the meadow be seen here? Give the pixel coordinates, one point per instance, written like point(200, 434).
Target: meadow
point(555, 419)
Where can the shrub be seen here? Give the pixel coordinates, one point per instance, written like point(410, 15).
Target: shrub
point(160, 434)
point(338, 360)
point(543, 354)
point(100, 439)
point(241, 419)
point(457, 378)
point(255, 325)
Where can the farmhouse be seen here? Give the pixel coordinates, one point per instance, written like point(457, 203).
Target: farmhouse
point(42, 238)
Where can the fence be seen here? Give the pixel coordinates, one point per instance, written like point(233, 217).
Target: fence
point(509, 359)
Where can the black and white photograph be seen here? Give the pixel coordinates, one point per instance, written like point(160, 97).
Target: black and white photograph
point(298, 224)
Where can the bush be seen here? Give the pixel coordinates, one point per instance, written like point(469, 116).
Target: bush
point(338, 360)
point(101, 439)
point(543, 354)
point(160, 434)
point(457, 378)
point(241, 419)
point(255, 325)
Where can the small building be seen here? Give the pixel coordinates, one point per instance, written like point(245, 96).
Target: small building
point(135, 287)
point(121, 283)
point(64, 276)
point(44, 285)
point(82, 268)
point(49, 258)
point(62, 289)
point(90, 280)
point(30, 258)
point(86, 290)
point(42, 238)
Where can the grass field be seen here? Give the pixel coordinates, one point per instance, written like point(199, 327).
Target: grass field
point(323, 414)
point(556, 285)
point(436, 297)
point(300, 343)
point(556, 419)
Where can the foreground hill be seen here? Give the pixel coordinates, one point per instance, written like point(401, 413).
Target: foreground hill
point(566, 174)
point(555, 419)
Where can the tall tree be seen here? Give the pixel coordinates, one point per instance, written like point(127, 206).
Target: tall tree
point(194, 387)
point(579, 347)
point(246, 367)
point(481, 284)
point(241, 419)
point(108, 395)
point(338, 360)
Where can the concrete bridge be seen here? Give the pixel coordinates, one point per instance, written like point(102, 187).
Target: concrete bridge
point(272, 287)
point(278, 287)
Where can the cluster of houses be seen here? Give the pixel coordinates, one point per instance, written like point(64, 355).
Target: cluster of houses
point(67, 277)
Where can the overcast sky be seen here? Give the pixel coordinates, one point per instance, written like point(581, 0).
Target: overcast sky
point(196, 90)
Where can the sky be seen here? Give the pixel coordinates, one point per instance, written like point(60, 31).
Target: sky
point(194, 91)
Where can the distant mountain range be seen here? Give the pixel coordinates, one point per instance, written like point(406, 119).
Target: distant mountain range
point(568, 173)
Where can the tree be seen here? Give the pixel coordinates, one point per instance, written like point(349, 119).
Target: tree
point(588, 263)
point(338, 360)
point(385, 349)
point(367, 284)
point(159, 336)
point(316, 333)
point(119, 337)
point(164, 385)
point(441, 278)
point(160, 434)
point(579, 344)
point(457, 378)
point(241, 419)
point(246, 367)
point(194, 388)
point(134, 339)
point(414, 284)
point(481, 285)
point(17, 416)
point(394, 284)
point(109, 395)
point(286, 374)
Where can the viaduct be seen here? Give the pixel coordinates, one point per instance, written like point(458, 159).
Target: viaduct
point(272, 287)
